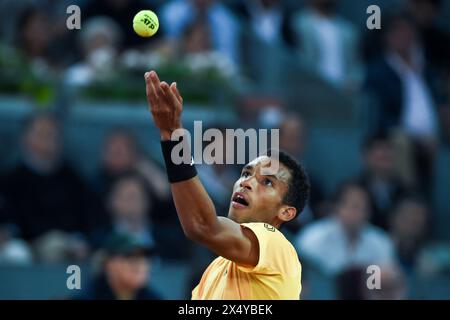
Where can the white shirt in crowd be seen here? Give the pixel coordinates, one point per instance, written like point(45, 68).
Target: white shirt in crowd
point(266, 23)
point(419, 117)
point(325, 244)
point(331, 63)
point(176, 15)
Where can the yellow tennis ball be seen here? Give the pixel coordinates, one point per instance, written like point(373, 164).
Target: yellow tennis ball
point(145, 23)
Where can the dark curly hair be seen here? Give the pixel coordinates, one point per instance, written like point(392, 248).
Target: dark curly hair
point(299, 186)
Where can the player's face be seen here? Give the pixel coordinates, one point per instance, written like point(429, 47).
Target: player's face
point(257, 197)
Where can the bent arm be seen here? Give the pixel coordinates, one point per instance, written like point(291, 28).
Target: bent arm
point(200, 223)
point(195, 208)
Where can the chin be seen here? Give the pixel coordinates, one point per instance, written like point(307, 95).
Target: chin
point(232, 215)
point(240, 217)
point(235, 216)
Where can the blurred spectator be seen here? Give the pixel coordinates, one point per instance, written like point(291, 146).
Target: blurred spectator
point(44, 193)
point(128, 205)
point(329, 43)
point(436, 45)
point(294, 135)
point(380, 178)
point(345, 239)
point(34, 39)
point(434, 260)
point(100, 40)
point(351, 284)
point(13, 251)
point(196, 38)
point(259, 109)
point(198, 53)
point(264, 41)
point(10, 11)
point(268, 20)
point(435, 40)
point(3, 216)
point(48, 47)
point(400, 86)
point(122, 12)
point(409, 226)
point(57, 247)
point(294, 140)
point(393, 285)
point(124, 273)
point(121, 155)
point(177, 15)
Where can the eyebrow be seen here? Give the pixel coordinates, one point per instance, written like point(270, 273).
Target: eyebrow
point(250, 167)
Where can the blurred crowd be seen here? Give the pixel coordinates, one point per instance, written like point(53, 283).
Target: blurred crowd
point(383, 216)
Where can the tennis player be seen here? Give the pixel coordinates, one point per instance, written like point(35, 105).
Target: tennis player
point(256, 261)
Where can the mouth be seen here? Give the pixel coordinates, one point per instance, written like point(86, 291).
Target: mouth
point(239, 201)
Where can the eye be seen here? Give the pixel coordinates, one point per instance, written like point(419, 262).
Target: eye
point(268, 182)
point(245, 174)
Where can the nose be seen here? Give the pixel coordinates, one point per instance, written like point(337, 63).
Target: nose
point(246, 183)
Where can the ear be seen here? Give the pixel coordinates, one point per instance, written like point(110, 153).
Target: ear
point(287, 214)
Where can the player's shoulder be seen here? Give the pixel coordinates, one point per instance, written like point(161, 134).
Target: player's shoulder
point(271, 235)
point(276, 252)
point(262, 227)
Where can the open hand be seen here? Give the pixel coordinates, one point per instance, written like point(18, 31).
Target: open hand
point(165, 104)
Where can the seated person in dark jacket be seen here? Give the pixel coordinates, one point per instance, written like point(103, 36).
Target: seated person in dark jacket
point(380, 177)
point(43, 193)
point(121, 155)
point(127, 208)
point(401, 84)
point(125, 271)
point(403, 93)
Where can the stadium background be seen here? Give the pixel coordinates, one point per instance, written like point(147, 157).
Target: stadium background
point(237, 66)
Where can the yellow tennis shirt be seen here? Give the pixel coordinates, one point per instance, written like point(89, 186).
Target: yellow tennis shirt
point(276, 277)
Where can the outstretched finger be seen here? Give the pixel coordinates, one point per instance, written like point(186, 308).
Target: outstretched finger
point(174, 89)
point(152, 98)
point(156, 84)
point(170, 97)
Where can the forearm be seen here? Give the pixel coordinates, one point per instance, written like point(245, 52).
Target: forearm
point(195, 208)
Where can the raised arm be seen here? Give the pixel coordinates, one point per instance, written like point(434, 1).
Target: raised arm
point(195, 209)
